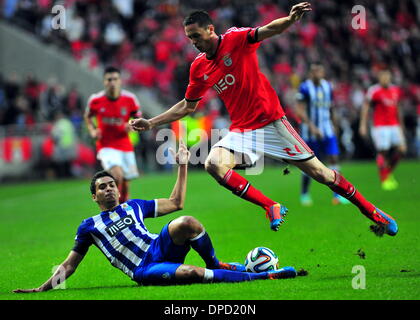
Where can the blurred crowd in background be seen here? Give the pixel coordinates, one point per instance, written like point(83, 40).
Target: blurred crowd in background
point(147, 41)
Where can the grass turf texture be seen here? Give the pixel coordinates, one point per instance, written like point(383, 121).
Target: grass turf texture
point(39, 221)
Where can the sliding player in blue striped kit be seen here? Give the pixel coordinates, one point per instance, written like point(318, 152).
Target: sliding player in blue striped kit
point(120, 233)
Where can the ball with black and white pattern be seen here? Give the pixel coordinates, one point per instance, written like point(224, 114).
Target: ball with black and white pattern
point(261, 259)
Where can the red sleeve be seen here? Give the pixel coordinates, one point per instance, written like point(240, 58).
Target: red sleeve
point(135, 108)
point(197, 86)
point(252, 35)
point(246, 38)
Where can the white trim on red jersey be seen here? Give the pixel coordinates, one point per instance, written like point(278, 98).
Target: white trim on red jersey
point(95, 95)
point(124, 93)
point(371, 90)
point(130, 95)
point(235, 29)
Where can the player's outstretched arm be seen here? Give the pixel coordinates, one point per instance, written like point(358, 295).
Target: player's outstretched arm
point(68, 267)
point(277, 26)
point(176, 112)
point(177, 197)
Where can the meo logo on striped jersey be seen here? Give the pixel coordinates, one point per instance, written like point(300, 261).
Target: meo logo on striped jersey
point(119, 225)
point(222, 84)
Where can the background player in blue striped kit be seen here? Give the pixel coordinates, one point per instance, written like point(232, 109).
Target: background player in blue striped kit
point(120, 233)
point(314, 107)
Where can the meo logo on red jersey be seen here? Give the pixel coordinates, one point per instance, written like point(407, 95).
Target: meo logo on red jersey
point(222, 84)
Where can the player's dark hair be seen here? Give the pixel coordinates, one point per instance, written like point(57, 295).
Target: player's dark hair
point(110, 69)
point(201, 17)
point(98, 175)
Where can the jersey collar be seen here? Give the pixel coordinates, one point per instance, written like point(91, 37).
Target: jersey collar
point(217, 48)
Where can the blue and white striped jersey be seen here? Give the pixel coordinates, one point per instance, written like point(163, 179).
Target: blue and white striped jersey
point(318, 99)
point(120, 234)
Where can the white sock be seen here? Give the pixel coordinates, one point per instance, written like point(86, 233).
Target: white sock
point(208, 276)
point(199, 235)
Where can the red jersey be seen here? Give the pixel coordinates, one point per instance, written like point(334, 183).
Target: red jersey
point(385, 104)
point(112, 117)
point(234, 73)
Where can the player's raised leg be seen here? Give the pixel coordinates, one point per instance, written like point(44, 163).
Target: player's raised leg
point(334, 165)
point(337, 183)
point(220, 163)
point(187, 230)
point(164, 260)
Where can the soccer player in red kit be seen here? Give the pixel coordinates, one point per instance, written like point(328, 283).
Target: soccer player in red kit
point(228, 63)
point(387, 131)
point(113, 108)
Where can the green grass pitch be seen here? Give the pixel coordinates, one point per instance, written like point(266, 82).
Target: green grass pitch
point(39, 221)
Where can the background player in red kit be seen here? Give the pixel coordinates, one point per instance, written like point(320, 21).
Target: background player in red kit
point(387, 131)
point(113, 108)
point(229, 64)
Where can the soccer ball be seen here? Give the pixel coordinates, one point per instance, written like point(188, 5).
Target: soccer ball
point(261, 259)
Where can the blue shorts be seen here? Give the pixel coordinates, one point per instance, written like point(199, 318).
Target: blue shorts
point(161, 260)
point(325, 147)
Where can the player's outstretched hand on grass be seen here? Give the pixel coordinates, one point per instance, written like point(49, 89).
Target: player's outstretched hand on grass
point(183, 154)
point(298, 10)
point(27, 290)
point(140, 124)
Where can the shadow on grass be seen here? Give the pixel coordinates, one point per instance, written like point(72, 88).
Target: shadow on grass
point(104, 287)
point(134, 286)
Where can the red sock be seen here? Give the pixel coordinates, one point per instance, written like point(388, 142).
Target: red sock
point(347, 190)
point(242, 188)
point(383, 167)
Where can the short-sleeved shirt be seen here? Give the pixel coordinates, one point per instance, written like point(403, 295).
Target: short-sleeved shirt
point(385, 104)
point(120, 234)
point(234, 73)
point(112, 117)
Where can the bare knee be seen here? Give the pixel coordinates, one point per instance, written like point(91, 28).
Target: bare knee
point(190, 224)
point(214, 168)
point(219, 162)
point(184, 228)
point(209, 166)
